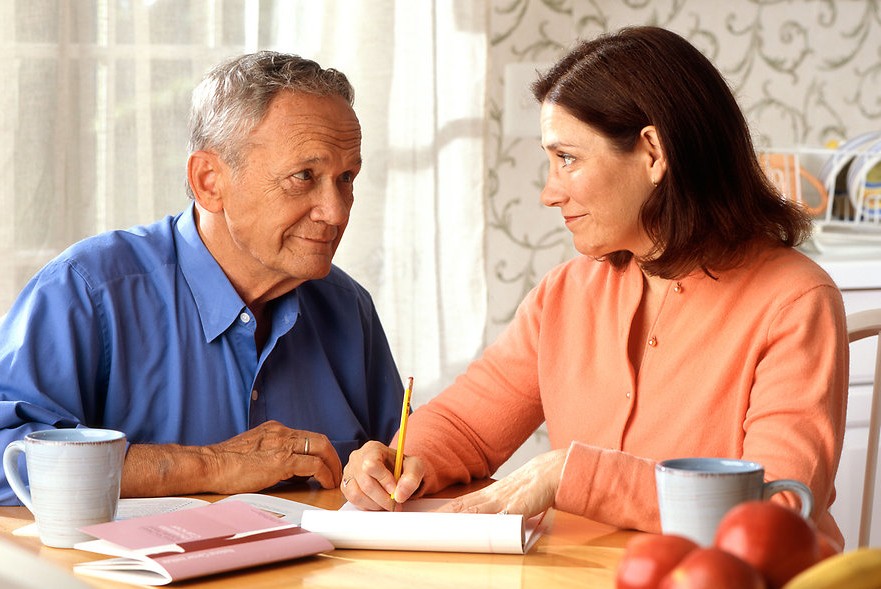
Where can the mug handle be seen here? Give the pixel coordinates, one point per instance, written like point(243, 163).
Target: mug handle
point(13, 476)
point(804, 493)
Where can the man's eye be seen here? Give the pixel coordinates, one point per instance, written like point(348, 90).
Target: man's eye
point(304, 175)
point(347, 177)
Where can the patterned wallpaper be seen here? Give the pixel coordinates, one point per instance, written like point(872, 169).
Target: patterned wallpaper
point(806, 72)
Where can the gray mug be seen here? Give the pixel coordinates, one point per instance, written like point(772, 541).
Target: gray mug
point(694, 494)
point(74, 477)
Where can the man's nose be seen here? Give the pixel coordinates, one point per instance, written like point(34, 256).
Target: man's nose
point(333, 204)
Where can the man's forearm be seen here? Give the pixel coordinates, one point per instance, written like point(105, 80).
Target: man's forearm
point(160, 470)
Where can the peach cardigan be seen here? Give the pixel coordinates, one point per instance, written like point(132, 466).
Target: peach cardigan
point(752, 365)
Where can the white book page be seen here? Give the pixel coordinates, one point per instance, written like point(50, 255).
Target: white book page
point(134, 507)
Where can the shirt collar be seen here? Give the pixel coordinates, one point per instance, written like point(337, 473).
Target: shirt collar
point(217, 301)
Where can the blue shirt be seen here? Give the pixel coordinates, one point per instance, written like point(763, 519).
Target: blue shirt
point(141, 331)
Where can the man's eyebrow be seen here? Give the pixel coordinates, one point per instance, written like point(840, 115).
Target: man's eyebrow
point(319, 159)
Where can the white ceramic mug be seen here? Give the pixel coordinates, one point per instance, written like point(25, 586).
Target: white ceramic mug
point(694, 494)
point(74, 477)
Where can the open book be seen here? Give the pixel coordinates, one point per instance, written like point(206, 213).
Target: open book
point(418, 527)
point(214, 538)
point(157, 541)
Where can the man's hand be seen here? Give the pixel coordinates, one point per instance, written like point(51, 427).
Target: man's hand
point(249, 462)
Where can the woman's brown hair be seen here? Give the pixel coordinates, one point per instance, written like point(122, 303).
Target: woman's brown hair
point(714, 200)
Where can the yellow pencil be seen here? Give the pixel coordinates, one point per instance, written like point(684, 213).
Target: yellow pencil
point(405, 413)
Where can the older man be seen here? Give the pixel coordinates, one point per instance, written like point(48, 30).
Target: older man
point(222, 341)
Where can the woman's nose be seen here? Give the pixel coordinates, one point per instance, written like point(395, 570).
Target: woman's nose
point(552, 194)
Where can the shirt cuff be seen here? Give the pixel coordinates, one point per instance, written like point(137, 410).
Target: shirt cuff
point(610, 487)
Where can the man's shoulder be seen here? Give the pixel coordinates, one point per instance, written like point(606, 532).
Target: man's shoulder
point(119, 253)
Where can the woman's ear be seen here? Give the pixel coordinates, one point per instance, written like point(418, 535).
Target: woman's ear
point(657, 160)
point(205, 171)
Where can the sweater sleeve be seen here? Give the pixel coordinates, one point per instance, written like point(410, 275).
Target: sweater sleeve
point(798, 403)
point(609, 486)
point(473, 426)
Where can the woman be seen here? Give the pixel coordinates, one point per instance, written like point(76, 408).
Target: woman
point(688, 327)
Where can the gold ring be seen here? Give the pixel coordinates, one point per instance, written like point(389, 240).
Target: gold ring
point(306, 446)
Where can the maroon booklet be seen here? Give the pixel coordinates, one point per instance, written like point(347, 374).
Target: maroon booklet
point(216, 538)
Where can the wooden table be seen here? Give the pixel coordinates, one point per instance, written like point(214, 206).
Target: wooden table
point(572, 552)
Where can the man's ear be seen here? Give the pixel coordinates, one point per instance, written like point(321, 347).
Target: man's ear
point(657, 160)
point(205, 171)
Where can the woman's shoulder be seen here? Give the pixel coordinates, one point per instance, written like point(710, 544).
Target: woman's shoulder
point(789, 267)
point(775, 277)
point(583, 280)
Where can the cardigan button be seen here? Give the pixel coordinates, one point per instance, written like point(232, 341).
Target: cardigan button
point(653, 341)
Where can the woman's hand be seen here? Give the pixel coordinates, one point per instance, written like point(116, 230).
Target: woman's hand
point(529, 490)
point(368, 480)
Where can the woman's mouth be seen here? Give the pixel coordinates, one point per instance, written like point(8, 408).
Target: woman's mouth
point(572, 218)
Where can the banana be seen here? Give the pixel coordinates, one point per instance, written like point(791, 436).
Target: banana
point(855, 569)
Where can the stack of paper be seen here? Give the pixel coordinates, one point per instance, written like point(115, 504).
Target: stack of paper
point(419, 527)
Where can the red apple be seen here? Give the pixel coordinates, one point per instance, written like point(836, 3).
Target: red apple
point(828, 546)
point(712, 568)
point(773, 538)
point(648, 557)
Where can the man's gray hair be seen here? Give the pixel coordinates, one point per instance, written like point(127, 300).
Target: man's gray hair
point(233, 98)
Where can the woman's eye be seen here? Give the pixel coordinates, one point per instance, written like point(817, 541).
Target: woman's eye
point(567, 159)
point(304, 175)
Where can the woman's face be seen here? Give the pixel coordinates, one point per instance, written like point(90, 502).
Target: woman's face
point(599, 190)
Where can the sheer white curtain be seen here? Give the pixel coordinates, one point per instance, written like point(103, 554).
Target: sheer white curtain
point(93, 136)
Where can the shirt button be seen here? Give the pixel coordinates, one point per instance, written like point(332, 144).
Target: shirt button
point(627, 395)
point(245, 317)
point(254, 395)
point(653, 341)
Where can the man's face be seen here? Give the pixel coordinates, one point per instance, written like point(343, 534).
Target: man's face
point(288, 203)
